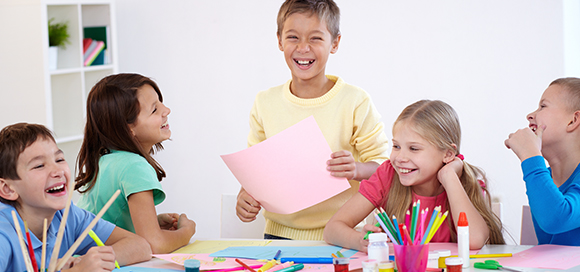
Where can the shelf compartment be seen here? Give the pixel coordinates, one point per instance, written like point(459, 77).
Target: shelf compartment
point(67, 104)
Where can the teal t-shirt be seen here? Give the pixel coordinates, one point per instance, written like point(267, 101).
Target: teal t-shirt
point(125, 171)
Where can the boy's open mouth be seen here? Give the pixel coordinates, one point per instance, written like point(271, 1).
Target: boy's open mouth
point(55, 189)
point(533, 127)
point(165, 124)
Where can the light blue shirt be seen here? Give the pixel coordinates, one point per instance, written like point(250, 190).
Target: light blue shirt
point(11, 258)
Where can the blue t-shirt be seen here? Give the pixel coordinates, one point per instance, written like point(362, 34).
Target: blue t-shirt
point(555, 210)
point(125, 171)
point(78, 219)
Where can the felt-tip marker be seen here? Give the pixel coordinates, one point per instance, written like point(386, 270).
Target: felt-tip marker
point(295, 267)
point(309, 260)
point(100, 243)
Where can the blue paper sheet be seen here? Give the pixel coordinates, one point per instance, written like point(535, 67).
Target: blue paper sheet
point(261, 252)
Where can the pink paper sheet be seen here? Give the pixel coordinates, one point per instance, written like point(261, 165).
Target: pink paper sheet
point(545, 256)
point(287, 172)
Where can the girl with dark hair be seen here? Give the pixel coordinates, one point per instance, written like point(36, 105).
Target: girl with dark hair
point(126, 123)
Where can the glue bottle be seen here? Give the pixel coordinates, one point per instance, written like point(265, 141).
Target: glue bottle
point(463, 239)
point(378, 248)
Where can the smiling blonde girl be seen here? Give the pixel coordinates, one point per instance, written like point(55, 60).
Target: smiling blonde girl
point(424, 165)
point(126, 123)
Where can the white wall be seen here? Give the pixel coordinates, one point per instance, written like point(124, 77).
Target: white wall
point(491, 60)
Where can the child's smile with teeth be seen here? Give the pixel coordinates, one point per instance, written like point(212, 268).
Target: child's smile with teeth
point(304, 62)
point(405, 170)
point(55, 189)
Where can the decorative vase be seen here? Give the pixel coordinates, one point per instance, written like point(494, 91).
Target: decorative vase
point(52, 57)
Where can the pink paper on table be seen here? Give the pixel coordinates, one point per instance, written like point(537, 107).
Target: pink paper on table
point(207, 262)
point(287, 172)
point(545, 256)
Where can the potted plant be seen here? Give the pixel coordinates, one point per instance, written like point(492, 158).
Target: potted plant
point(58, 36)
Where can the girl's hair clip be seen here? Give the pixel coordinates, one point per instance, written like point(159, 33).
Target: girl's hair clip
point(460, 156)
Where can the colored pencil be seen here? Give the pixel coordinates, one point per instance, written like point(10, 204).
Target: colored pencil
point(423, 226)
point(413, 221)
point(43, 254)
point(430, 225)
point(55, 251)
point(333, 256)
point(245, 265)
point(84, 234)
point(389, 224)
point(384, 220)
point(386, 229)
point(417, 214)
point(396, 225)
point(339, 254)
point(407, 236)
point(441, 220)
point(30, 249)
point(408, 219)
point(21, 241)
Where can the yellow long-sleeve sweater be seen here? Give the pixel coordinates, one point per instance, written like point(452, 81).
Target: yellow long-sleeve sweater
point(348, 120)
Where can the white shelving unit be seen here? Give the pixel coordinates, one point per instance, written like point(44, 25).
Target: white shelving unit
point(55, 98)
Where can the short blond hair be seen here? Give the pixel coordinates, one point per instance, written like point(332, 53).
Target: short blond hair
point(572, 86)
point(326, 10)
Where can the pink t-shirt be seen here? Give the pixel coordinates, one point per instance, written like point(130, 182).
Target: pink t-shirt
point(376, 190)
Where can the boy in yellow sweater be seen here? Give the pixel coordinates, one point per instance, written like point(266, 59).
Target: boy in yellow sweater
point(308, 32)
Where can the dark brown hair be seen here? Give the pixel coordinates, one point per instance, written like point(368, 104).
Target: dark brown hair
point(14, 139)
point(112, 105)
point(326, 10)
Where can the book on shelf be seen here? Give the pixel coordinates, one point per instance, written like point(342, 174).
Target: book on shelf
point(98, 49)
point(96, 33)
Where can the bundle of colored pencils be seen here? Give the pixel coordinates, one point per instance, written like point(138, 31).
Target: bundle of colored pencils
point(55, 265)
point(415, 230)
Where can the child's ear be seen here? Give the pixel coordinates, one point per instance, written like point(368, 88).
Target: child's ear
point(574, 123)
point(335, 44)
point(6, 190)
point(450, 154)
point(280, 42)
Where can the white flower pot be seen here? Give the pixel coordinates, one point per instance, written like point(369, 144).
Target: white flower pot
point(52, 57)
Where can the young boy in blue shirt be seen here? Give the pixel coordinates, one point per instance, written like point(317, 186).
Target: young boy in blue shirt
point(34, 180)
point(553, 134)
point(308, 32)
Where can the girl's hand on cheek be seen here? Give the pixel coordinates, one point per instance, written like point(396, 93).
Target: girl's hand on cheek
point(453, 169)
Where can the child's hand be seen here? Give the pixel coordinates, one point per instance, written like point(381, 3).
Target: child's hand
point(453, 168)
point(185, 223)
point(342, 164)
point(247, 208)
point(364, 244)
point(168, 221)
point(525, 143)
point(97, 259)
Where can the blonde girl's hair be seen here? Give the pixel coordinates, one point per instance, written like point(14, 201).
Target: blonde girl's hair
point(438, 123)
